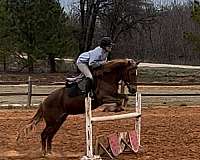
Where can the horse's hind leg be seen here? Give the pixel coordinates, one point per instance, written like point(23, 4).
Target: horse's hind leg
point(44, 136)
point(53, 131)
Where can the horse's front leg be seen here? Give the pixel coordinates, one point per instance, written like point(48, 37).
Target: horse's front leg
point(112, 104)
point(124, 99)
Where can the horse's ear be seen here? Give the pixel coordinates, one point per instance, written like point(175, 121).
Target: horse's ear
point(137, 62)
point(130, 61)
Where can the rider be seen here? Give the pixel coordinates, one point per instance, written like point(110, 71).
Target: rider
point(94, 58)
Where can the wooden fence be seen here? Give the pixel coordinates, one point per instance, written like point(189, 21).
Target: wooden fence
point(29, 92)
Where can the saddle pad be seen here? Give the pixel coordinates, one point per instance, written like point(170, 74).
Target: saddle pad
point(133, 140)
point(113, 140)
point(73, 90)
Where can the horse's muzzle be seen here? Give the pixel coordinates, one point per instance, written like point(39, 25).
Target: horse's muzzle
point(132, 89)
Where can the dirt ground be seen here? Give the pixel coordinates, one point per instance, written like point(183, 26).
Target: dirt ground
point(170, 125)
point(167, 134)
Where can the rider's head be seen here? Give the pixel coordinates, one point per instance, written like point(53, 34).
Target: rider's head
point(106, 44)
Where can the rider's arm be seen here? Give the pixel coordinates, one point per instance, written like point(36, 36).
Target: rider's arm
point(96, 58)
point(97, 64)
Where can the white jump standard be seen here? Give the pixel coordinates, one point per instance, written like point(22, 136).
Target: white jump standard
point(89, 119)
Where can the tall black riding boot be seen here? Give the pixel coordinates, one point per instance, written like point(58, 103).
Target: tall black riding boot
point(89, 86)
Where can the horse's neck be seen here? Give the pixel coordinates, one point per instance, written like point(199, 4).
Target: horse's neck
point(108, 83)
point(114, 76)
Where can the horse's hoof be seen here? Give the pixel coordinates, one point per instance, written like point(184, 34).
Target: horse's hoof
point(113, 109)
point(109, 109)
point(119, 109)
point(43, 153)
point(48, 154)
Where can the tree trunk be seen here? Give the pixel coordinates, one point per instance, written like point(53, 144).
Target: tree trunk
point(30, 64)
point(88, 21)
point(4, 63)
point(52, 64)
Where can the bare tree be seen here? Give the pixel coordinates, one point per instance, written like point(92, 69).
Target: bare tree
point(114, 16)
point(122, 16)
point(89, 10)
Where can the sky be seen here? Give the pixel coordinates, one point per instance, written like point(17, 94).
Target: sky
point(67, 3)
point(164, 2)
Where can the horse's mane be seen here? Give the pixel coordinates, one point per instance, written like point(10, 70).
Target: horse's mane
point(116, 63)
point(113, 65)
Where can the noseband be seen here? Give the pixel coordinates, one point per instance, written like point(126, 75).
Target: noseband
point(128, 79)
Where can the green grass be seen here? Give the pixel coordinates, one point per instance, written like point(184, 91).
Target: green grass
point(151, 74)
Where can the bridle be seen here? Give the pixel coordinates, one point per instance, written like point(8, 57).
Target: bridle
point(127, 80)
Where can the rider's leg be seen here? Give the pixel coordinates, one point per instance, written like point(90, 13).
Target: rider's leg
point(88, 87)
point(85, 70)
point(89, 78)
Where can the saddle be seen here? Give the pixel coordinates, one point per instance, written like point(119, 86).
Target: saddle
point(76, 79)
point(75, 85)
point(80, 85)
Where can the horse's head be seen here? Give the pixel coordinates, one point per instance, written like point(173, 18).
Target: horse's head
point(120, 69)
point(129, 75)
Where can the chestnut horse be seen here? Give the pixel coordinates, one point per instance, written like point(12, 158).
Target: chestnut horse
point(58, 105)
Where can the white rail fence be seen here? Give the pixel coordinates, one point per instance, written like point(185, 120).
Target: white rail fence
point(29, 93)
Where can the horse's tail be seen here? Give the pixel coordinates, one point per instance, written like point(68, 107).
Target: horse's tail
point(31, 125)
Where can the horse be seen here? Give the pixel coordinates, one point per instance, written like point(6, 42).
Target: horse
point(59, 104)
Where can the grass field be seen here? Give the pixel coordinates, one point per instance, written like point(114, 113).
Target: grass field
point(152, 74)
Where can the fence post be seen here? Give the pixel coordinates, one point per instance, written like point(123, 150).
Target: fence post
point(138, 119)
point(88, 115)
point(122, 89)
point(29, 91)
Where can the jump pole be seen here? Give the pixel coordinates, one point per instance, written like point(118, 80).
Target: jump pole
point(90, 119)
